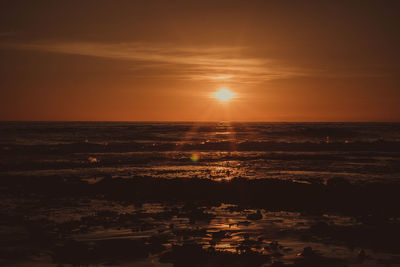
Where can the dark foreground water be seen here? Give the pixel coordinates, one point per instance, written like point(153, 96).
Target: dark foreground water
point(208, 194)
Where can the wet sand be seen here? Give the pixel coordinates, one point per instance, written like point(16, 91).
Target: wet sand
point(198, 222)
point(179, 194)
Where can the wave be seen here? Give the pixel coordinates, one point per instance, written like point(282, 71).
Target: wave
point(87, 147)
point(336, 195)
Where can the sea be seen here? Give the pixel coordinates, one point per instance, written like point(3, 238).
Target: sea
point(219, 151)
point(199, 194)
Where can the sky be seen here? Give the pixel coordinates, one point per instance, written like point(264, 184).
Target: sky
point(116, 60)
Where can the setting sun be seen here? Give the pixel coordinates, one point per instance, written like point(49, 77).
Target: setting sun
point(200, 132)
point(224, 95)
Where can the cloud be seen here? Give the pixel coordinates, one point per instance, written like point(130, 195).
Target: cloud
point(211, 64)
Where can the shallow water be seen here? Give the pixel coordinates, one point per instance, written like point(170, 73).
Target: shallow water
point(297, 151)
point(281, 236)
point(259, 194)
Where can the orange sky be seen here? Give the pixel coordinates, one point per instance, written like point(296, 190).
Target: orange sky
point(162, 60)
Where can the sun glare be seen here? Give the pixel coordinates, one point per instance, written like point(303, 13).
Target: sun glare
point(224, 95)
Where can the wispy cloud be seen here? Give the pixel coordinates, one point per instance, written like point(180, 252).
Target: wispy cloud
point(212, 64)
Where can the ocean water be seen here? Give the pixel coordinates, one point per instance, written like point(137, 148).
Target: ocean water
point(308, 152)
point(199, 194)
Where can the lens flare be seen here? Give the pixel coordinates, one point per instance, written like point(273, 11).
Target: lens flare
point(195, 157)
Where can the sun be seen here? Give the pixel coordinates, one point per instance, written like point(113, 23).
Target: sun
point(224, 95)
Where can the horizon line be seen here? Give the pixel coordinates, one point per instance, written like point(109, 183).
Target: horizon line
point(187, 121)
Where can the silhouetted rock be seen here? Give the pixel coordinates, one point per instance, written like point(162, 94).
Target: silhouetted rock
point(308, 252)
point(255, 216)
point(361, 256)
